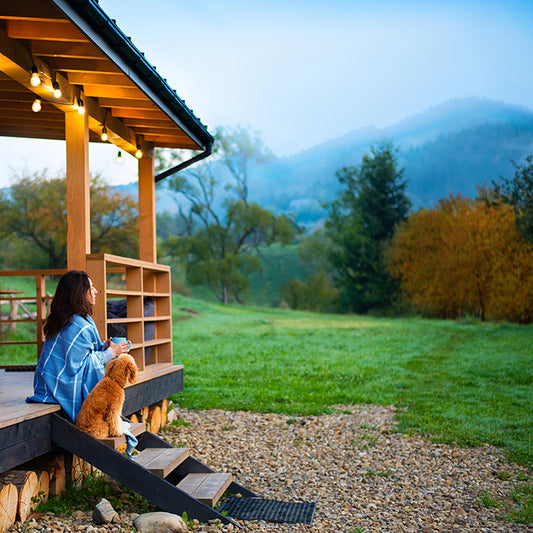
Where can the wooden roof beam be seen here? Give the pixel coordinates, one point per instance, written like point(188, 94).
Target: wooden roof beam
point(83, 50)
point(136, 113)
point(31, 10)
point(113, 92)
point(107, 80)
point(79, 64)
point(44, 31)
point(16, 62)
point(133, 104)
point(154, 123)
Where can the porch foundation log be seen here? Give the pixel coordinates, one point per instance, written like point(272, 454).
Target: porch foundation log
point(154, 419)
point(8, 505)
point(54, 464)
point(27, 485)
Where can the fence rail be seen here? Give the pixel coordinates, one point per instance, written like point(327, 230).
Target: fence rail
point(16, 299)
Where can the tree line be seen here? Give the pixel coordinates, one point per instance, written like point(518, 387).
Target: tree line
point(464, 256)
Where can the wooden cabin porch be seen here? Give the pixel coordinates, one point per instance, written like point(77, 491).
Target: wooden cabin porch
point(25, 429)
point(88, 79)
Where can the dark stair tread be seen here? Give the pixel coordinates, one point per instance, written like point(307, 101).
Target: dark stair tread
point(207, 487)
point(158, 490)
point(161, 461)
point(136, 428)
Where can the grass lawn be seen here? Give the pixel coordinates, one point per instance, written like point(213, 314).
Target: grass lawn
point(465, 382)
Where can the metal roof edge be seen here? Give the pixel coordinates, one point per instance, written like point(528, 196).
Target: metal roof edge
point(92, 20)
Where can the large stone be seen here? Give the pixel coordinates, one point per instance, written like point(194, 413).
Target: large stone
point(159, 522)
point(103, 513)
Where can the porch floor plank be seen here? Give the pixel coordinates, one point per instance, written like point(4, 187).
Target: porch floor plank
point(15, 387)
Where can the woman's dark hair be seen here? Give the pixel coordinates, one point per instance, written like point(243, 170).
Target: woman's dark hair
point(70, 299)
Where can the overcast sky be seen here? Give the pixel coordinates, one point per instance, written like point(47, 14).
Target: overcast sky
point(304, 71)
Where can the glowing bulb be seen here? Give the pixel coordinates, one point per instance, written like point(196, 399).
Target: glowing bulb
point(120, 158)
point(138, 153)
point(81, 107)
point(104, 135)
point(35, 81)
point(36, 106)
point(57, 90)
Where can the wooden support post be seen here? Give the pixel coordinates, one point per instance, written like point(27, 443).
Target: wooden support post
point(78, 205)
point(147, 229)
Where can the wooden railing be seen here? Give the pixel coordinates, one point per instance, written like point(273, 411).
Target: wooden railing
point(40, 299)
point(116, 278)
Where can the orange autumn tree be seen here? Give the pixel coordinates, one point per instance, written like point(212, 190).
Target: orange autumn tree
point(465, 256)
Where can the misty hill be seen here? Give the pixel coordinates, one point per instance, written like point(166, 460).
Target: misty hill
point(450, 148)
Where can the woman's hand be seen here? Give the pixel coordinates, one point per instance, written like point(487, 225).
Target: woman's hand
point(120, 348)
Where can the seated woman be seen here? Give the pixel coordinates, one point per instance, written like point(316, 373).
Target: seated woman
point(73, 357)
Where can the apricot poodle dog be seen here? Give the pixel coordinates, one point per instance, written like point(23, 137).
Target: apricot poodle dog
point(100, 412)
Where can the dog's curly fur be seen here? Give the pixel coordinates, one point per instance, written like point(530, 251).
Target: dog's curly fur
point(100, 412)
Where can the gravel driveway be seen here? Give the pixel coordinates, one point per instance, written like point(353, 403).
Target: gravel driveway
point(363, 476)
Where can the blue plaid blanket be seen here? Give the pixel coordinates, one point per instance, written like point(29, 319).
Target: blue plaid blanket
point(70, 365)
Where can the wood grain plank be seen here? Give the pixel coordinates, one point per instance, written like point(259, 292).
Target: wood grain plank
point(161, 461)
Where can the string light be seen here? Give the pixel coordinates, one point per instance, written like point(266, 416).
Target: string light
point(35, 81)
point(104, 135)
point(36, 106)
point(120, 158)
point(81, 107)
point(57, 90)
point(138, 153)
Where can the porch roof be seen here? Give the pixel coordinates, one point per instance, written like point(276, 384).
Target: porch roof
point(74, 44)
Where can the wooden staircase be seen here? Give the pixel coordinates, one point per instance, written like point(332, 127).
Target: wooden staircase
point(163, 474)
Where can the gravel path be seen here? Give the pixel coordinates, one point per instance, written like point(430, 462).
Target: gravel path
point(363, 475)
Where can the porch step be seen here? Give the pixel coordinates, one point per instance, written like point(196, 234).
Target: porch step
point(198, 491)
point(161, 461)
point(136, 430)
point(208, 488)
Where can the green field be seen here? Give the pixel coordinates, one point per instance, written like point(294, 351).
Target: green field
point(463, 382)
point(469, 383)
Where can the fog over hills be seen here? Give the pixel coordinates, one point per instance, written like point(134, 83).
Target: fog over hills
point(450, 148)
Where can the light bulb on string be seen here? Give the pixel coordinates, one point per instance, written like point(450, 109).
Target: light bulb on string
point(81, 107)
point(104, 135)
point(138, 153)
point(36, 106)
point(120, 158)
point(57, 90)
point(35, 81)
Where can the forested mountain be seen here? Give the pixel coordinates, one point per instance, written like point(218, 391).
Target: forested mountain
point(450, 148)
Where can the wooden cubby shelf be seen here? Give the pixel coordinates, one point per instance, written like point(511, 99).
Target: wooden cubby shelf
point(146, 289)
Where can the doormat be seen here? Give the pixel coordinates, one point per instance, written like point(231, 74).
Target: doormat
point(268, 510)
point(20, 368)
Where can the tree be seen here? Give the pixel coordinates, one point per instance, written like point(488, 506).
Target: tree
point(239, 149)
point(518, 192)
point(465, 256)
point(361, 221)
point(313, 294)
point(114, 220)
point(223, 231)
point(34, 216)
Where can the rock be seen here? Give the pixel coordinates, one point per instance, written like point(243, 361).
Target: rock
point(78, 515)
point(103, 512)
point(160, 521)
